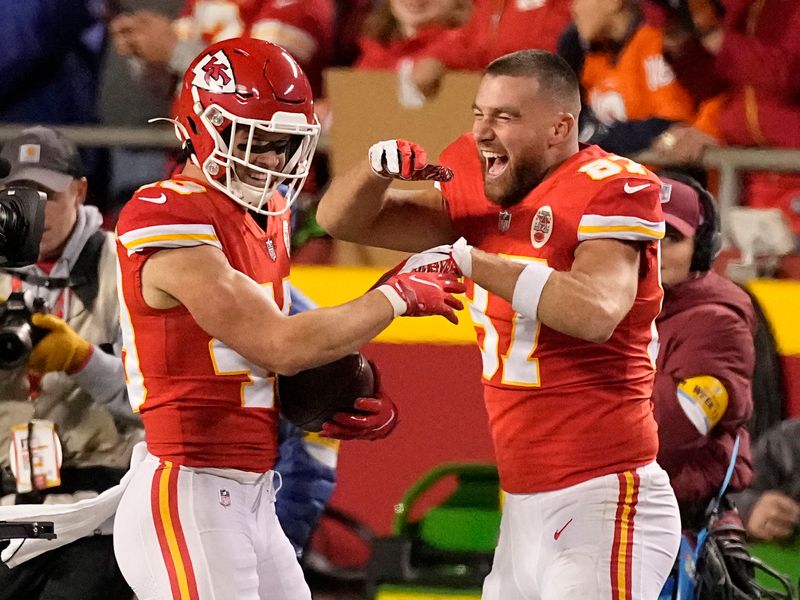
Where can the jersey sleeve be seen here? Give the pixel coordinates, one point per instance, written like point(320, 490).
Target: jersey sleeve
point(624, 208)
point(462, 157)
point(159, 217)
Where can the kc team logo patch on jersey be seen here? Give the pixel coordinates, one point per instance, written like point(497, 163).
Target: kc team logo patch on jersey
point(542, 226)
point(215, 74)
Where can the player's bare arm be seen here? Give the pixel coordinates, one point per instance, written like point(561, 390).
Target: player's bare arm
point(360, 207)
point(587, 302)
point(241, 314)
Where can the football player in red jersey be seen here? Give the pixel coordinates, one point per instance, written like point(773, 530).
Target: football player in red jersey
point(206, 328)
point(564, 292)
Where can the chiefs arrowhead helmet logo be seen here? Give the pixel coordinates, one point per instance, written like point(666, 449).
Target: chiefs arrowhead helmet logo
point(214, 73)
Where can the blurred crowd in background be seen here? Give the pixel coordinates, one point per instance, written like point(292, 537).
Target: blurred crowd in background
point(664, 81)
point(671, 78)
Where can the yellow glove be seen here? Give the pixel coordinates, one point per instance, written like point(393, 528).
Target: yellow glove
point(60, 350)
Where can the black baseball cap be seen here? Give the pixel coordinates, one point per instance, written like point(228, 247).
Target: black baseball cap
point(44, 156)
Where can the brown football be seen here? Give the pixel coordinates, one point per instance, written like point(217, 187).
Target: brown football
point(311, 397)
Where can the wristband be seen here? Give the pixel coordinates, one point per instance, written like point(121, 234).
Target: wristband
point(398, 304)
point(462, 254)
point(528, 289)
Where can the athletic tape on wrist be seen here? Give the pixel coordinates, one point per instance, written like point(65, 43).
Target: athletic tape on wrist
point(387, 148)
point(398, 304)
point(528, 289)
point(462, 254)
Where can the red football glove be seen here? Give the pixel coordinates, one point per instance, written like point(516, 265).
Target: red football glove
point(423, 294)
point(376, 419)
point(401, 159)
point(449, 258)
point(373, 418)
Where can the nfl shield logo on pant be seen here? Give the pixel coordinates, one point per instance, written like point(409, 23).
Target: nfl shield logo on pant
point(225, 497)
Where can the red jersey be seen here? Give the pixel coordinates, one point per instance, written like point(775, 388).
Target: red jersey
point(563, 410)
point(303, 27)
point(202, 404)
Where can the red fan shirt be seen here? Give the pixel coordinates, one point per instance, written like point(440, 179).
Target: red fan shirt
point(563, 410)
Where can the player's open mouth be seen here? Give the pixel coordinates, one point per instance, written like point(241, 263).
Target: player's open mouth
point(495, 163)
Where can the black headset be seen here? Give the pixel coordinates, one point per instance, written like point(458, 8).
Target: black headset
point(707, 238)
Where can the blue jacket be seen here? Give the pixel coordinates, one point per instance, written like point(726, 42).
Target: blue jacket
point(50, 61)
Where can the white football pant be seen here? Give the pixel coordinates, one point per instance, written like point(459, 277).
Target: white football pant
point(204, 534)
point(613, 537)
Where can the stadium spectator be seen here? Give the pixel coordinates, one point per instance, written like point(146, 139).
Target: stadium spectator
point(159, 47)
point(631, 96)
point(73, 380)
point(206, 329)
point(565, 324)
point(770, 507)
point(702, 396)
point(132, 93)
point(398, 31)
point(748, 53)
point(350, 17)
point(303, 27)
point(495, 28)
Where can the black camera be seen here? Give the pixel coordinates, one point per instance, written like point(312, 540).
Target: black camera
point(18, 335)
point(21, 225)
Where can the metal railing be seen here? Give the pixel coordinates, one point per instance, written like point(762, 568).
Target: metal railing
point(153, 136)
point(730, 163)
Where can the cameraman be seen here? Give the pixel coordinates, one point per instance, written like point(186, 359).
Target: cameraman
point(73, 378)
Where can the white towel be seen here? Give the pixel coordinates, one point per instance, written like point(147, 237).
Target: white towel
point(71, 521)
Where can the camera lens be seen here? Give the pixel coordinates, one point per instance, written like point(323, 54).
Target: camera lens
point(8, 223)
point(15, 345)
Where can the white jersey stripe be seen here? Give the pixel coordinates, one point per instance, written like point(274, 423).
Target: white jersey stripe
point(619, 227)
point(169, 236)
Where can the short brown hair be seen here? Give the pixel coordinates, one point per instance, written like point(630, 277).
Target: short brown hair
point(555, 76)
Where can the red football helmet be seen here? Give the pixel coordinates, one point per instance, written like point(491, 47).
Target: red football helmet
point(239, 89)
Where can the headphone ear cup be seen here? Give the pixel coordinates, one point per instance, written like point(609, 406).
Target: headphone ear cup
point(701, 258)
point(708, 239)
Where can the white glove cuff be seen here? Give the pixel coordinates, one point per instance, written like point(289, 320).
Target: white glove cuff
point(462, 254)
point(388, 149)
point(528, 289)
point(398, 304)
